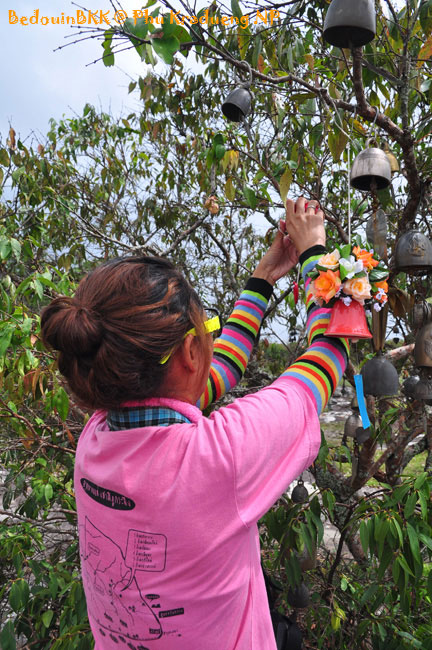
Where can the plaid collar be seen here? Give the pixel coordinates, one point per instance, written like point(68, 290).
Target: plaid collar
point(133, 417)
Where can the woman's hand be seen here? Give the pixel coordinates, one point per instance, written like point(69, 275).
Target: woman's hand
point(280, 258)
point(305, 224)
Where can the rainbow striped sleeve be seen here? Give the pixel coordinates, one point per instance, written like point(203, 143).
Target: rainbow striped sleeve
point(234, 346)
point(321, 367)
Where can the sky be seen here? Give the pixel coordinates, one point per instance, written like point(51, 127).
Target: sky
point(39, 83)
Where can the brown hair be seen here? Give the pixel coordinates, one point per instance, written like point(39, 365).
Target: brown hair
point(125, 316)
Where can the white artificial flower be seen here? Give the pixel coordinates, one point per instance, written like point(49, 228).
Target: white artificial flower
point(330, 260)
point(351, 266)
point(377, 306)
point(346, 301)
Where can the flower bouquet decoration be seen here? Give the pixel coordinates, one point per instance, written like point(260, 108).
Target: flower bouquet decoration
point(350, 279)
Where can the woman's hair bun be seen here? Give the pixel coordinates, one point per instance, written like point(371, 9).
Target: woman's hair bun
point(71, 328)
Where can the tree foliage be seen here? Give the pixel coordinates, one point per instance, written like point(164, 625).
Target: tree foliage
point(176, 178)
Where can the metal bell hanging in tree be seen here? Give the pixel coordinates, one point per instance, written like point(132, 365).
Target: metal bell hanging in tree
point(237, 105)
point(300, 493)
point(371, 169)
point(352, 423)
point(350, 23)
point(409, 385)
point(420, 314)
point(413, 253)
point(423, 347)
point(380, 377)
point(423, 389)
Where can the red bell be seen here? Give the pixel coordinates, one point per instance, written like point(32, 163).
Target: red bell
point(348, 321)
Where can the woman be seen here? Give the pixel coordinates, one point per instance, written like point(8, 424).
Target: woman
point(168, 500)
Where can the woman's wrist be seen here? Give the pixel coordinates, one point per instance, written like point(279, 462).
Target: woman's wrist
point(317, 249)
point(262, 274)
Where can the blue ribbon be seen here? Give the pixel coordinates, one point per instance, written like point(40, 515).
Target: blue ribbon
point(358, 379)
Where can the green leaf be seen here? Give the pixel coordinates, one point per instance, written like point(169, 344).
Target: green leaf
point(16, 248)
point(329, 501)
point(377, 275)
point(5, 249)
point(47, 617)
point(219, 151)
point(285, 183)
point(166, 48)
point(19, 595)
point(48, 491)
point(343, 272)
point(410, 505)
point(426, 17)
point(61, 403)
point(5, 338)
point(345, 251)
point(230, 190)
point(420, 480)
point(404, 565)
point(414, 543)
point(250, 197)
point(364, 536)
point(385, 560)
point(368, 594)
point(7, 637)
point(235, 8)
point(4, 158)
point(395, 524)
point(168, 26)
point(429, 584)
point(337, 142)
point(108, 55)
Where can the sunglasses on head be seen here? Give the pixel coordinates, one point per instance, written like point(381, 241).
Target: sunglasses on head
point(210, 325)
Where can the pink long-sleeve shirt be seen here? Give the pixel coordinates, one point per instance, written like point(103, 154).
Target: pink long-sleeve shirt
point(167, 520)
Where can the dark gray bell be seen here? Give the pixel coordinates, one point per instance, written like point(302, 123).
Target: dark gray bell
point(423, 388)
point(380, 377)
point(352, 423)
point(413, 253)
point(371, 169)
point(420, 314)
point(423, 347)
point(350, 23)
point(300, 493)
point(299, 596)
point(237, 105)
point(409, 385)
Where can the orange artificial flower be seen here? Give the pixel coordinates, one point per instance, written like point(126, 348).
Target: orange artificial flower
point(384, 286)
point(327, 285)
point(381, 285)
point(366, 257)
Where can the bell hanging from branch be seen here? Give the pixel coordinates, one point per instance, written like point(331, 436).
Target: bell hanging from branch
point(423, 347)
point(371, 170)
point(237, 105)
point(380, 377)
point(350, 23)
point(420, 314)
point(423, 388)
point(413, 253)
point(408, 387)
point(300, 493)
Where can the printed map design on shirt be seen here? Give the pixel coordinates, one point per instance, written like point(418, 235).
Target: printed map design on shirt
point(109, 574)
